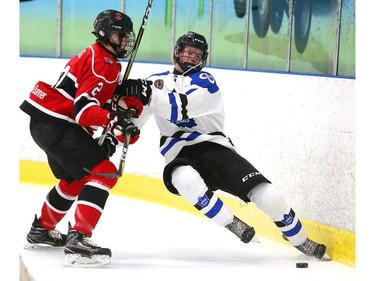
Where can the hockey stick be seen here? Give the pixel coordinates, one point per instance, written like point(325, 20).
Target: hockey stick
point(121, 165)
point(126, 75)
point(138, 39)
point(132, 56)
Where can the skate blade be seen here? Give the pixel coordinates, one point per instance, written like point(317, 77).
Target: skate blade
point(326, 257)
point(39, 247)
point(76, 260)
point(255, 240)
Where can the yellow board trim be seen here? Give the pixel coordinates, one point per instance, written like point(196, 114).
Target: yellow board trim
point(340, 243)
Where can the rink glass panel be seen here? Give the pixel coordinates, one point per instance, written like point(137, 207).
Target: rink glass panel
point(77, 23)
point(318, 56)
point(38, 28)
point(346, 63)
point(242, 34)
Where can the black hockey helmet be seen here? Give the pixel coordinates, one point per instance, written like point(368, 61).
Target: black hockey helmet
point(191, 38)
point(111, 21)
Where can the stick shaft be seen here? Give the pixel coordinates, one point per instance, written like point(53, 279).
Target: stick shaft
point(132, 56)
point(138, 39)
point(126, 76)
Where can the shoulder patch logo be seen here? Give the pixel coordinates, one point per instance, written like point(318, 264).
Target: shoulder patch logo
point(159, 84)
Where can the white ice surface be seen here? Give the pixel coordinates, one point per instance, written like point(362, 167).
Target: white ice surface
point(154, 242)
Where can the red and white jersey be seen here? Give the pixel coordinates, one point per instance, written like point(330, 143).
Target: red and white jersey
point(86, 84)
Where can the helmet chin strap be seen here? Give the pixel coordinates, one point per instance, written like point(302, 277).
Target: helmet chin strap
point(191, 68)
point(117, 47)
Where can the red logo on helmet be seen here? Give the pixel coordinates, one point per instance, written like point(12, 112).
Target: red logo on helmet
point(118, 16)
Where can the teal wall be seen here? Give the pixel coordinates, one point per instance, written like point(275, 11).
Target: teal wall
point(312, 49)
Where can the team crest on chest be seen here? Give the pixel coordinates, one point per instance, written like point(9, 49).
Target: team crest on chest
point(159, 84)
point(108, 60)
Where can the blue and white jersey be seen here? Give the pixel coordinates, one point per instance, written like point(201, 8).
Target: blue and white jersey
point(187, 109)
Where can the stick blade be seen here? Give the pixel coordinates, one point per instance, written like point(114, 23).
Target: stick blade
point(104, 175)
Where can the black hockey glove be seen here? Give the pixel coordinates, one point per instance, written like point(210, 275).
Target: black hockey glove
point(133, 132)
point(120, 120)
point(139, 88)
point(109, 144)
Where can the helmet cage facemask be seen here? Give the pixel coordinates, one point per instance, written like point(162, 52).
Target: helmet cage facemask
point(123, 52)
point(193, 40)
point(190, 67)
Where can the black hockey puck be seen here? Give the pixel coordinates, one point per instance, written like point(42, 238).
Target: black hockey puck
point(302, 265)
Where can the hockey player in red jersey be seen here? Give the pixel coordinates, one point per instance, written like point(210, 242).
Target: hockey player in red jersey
point(63, 119)
point(188, 108)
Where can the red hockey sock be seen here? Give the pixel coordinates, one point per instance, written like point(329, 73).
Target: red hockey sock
point(86, 218)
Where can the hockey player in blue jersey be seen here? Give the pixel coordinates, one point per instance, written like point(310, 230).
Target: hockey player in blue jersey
point(200, 158)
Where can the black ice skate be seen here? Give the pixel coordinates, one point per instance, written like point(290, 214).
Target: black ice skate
point(39, 236)
point(81, 251)
point(242, 230)
point(313, 249)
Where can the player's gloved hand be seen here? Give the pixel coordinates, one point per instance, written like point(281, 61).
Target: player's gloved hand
point(133, 133)
point(109, 144)
point(139, 88)
point(120, 120)
point(115, 117)
point(132, 103)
